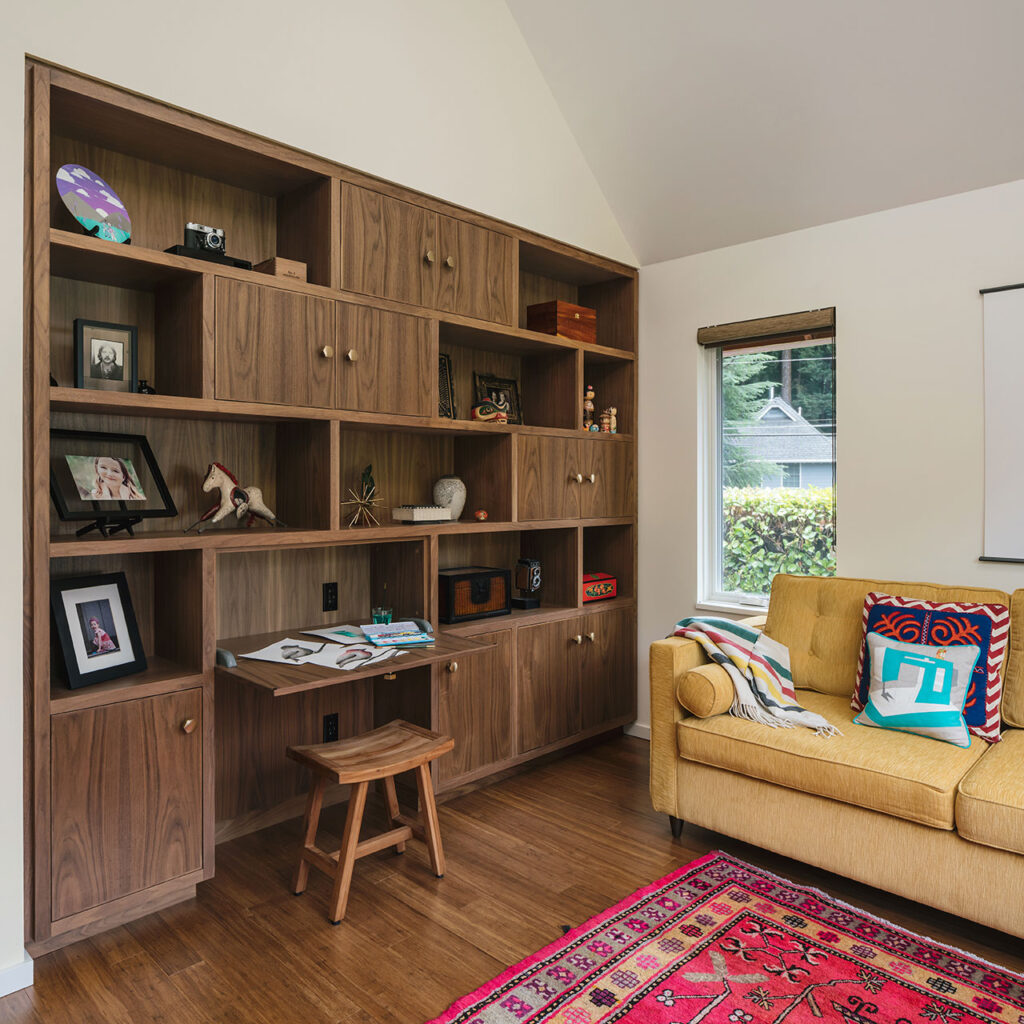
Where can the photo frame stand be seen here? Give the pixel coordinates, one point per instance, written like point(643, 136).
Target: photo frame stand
point(108, 525)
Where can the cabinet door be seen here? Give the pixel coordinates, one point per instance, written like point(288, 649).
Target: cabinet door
point(608, 484)
point(274, 346)
point(475, 708)
point(385, 244)
point(475, 275)
point(548, 692)
point(607, 667)
point(127, 793)
point(385, 361)
point(546, 479)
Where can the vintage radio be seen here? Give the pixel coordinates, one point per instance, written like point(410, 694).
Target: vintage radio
point(599, 586)
point(474, 592)
point(578, 323)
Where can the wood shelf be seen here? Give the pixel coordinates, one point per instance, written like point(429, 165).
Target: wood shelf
point(533, 617)
point(161, 676)
point(282, 680)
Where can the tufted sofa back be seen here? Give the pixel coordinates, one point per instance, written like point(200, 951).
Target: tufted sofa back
point(820, 620)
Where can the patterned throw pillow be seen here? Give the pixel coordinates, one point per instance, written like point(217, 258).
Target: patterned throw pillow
point(948, 624)
point(919, 688)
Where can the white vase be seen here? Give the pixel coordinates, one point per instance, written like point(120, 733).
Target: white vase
point(450, 492)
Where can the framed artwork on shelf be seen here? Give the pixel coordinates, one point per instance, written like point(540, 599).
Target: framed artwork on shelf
point(96, 628)
point(111, 479)
point(106, 356)
point(503, 392)
point(446, 389)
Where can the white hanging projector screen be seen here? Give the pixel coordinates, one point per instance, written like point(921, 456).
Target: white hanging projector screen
point(1004, 446)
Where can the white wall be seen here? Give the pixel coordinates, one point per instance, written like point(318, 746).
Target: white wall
point(441, 96)
point(909, 388)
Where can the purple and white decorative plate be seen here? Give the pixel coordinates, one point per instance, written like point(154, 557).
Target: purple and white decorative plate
point(93, 203)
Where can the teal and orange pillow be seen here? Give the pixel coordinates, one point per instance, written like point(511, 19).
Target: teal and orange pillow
point(919, 688)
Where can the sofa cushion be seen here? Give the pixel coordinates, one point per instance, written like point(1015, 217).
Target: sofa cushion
point(990, 800)
point(1013, 670)
point(820, 620)
point(706, 690)
point(907, 776)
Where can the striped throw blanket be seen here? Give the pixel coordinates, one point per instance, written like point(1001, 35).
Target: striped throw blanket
point(759, 669)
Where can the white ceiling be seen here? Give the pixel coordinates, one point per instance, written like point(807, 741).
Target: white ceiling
point(712, 122)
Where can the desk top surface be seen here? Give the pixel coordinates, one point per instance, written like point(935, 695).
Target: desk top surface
point(281, 680)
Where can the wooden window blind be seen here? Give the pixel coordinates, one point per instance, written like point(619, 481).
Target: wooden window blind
point(792, 327)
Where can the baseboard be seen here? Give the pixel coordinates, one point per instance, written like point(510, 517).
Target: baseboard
point(639, 730)
point(16, 977)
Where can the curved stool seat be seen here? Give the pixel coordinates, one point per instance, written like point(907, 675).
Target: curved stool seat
point(357, 761)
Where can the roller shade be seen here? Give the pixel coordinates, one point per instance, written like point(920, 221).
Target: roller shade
point(813, 323)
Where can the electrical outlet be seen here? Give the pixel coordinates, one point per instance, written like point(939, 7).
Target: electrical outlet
point(331, 728)
point(330, 597)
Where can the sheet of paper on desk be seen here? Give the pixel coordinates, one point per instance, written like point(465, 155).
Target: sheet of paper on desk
point(339, 634)
point(351, 656)
point(288, 651)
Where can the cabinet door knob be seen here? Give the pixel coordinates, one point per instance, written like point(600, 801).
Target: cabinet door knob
point(428, 256)
point(449, 262)
point(591, 636)
point(453, 666)
point(189, 726)
point(578, 477)
point(577, 639)
point(351, 355)
point(591, 478)
point(327, 352)
point(390, 675)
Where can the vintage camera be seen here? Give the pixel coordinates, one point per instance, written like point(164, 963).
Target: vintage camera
point(199, 236)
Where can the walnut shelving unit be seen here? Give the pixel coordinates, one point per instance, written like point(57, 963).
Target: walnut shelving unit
point(124, 809)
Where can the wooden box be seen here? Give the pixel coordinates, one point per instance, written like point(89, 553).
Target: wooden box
point(577, 323)
point(599, 586)
point(473, 592)
point(294, 270)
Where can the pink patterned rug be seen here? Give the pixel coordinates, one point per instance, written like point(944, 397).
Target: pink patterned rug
point(721, 942)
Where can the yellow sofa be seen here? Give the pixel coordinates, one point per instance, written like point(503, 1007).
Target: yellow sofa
point(911, 815)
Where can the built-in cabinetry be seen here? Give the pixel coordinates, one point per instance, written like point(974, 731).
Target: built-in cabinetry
point(296, 387)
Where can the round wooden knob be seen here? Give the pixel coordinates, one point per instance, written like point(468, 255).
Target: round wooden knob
point(592, 478)
point(449, 262)
point(428, 256)
point(578, 477)
point(591, 637)
point(351, 355)
point(453, 666)
point(327, 352)
point(189, 726)
point(577, 639)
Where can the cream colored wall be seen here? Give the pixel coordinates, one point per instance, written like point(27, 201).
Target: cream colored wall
point(441, 96)
point(909, 388)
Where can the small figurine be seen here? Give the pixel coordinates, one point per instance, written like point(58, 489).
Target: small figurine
point(365, 501)
point(488, 411)
point(480, 514)
point(605, 420)
point(613, 421)
point(588, 407)
point(145, 388)
point(233, 498)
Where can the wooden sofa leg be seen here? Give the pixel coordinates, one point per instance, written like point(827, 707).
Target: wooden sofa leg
point(677, 826)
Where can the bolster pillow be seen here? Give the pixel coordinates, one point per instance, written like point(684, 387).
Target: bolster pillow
point(705, 691)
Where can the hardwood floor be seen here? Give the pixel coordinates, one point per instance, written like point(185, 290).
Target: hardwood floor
point(548, 847)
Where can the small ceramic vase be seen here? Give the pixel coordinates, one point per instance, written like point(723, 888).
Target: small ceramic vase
point(450, 492)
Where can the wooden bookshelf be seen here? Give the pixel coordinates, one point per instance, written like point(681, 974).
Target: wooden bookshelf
point(295, 386)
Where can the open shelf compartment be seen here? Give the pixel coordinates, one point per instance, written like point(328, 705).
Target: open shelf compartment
point(611, 549)
point(613, 383)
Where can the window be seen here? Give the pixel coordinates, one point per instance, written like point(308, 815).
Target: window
point(769, 469)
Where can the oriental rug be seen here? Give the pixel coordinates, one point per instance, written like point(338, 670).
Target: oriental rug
point(721, 942)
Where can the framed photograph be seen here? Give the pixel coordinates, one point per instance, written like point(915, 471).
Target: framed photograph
point(446, 388)
point(96, 628)
point(502, 391)
point(112, 480)
point(106, 356)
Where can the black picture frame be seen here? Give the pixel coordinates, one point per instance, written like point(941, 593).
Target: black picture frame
point(446, 387)
point(101, 337)
point(111, 649)
point(71, 450)
point(486, 385)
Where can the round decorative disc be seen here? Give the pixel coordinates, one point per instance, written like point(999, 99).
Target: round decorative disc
point(93, 203)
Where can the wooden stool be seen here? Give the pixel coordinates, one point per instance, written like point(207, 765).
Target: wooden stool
point(381, 754)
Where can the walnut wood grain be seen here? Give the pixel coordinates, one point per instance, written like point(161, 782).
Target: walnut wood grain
point(547, 486)
point(474, 271)
point(305, 498)
point(178, 365)
point(613, 383)
point(615, 303)
point(548, 693)
point(607, 667)
point(134, 819)
point(303, 219)
point(611, 549)
point(612, 489)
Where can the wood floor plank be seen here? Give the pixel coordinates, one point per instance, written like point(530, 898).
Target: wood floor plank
point(551, 846)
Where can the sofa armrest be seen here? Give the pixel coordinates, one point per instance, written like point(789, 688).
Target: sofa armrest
point(755, 621)
point(670, 660)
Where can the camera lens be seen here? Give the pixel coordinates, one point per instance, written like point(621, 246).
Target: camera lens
point(214, 241)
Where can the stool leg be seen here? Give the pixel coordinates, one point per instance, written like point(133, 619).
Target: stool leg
point(314, 803)
point(428, 814)
point(347, 853)
point(391, 805)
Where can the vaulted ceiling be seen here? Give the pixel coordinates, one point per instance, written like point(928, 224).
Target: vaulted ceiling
point(712, 122)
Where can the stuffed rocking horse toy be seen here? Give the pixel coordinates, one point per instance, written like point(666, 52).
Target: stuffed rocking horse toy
point(233, 498)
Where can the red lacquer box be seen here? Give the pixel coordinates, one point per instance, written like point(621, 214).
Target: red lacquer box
point(599, 586)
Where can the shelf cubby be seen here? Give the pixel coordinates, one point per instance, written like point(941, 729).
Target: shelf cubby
point(611, 549)
point(613, 382)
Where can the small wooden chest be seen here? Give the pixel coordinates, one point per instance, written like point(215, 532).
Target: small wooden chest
point(474, 592)
point(577, 323)
point(295, 270)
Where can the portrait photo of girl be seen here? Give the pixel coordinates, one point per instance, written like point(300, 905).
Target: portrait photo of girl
point(105, 478)
point(97, 623)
